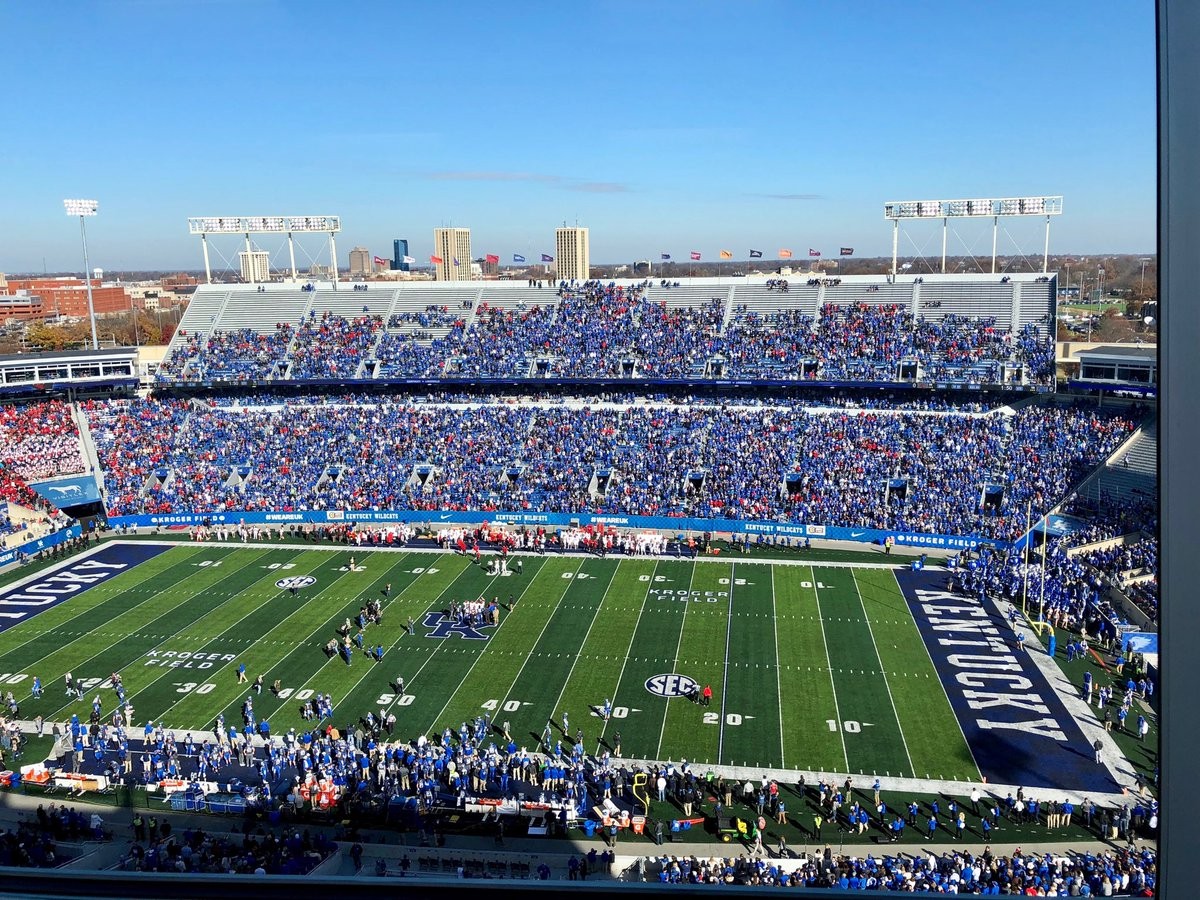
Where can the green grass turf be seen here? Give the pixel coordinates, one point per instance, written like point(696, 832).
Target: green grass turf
point(812, 667)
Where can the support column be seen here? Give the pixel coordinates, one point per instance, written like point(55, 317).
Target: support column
point(1046, 249)
point(995, 229)
point(207, 268)
point(944, 228)
point(895, 243)
point(292, 255)
point(333, 258)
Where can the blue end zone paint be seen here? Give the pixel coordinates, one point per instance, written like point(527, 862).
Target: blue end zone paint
point(1016, 724)
point(50, 588)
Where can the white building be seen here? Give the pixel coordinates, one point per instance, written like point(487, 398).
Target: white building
point(571, 259)
point(256, 265)
point(451, 246)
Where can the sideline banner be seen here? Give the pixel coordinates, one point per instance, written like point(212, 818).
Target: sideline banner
point(69, 491)
point(44, 543)
point(669, 524)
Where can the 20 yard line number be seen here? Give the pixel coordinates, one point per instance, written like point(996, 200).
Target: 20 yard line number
point(714, 718)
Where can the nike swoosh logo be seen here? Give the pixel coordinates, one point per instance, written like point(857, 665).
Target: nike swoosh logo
point(444, 517)
point(857, 533)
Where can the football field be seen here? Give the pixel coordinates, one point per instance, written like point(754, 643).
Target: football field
point(813, 667)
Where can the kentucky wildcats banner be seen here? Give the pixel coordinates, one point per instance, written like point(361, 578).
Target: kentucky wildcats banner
point(69, 491)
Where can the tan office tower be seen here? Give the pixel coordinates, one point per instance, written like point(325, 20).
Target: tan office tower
point(256, 266)
point(571, 260)
point(451, 246)
point(360, 262)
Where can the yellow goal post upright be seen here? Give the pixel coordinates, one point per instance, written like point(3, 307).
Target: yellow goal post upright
point(640, 780)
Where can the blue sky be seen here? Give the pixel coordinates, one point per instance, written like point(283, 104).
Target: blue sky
point(664, 126)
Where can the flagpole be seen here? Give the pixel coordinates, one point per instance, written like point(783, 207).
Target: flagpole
point(1028, 537)
point(1042, 597)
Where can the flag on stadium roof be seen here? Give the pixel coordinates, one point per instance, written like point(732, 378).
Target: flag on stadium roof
point(785, 254)
point(726, 254)
point(847, 251)
point(546, 257)
point(517, 257)
point(812, 252)
point(666, 255)
point(492, 258)
point(408, 259)
point(695, 254)
point(380, 261)
point(755, 254)
point(436, 260)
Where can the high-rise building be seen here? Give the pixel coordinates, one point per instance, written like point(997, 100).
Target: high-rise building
point(399, 251)
point(256, 265)
point(360, 262)
point(453, 247)
point(571, 258)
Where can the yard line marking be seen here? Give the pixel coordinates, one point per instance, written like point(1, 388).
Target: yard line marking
point(778, 688)
point(879, 659)
point(390, 568)
point(100, 590)
point(49, 717)
point(567, 582)
point(575, 662)
point(223, 666)
point(812, 575)
point(632, 635)
point(674, 662)
point(432, 725)
point(725, 675)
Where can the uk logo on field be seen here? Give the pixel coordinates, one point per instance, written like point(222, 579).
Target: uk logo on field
point(447, 628)
point(671, 685)
point(296, 581)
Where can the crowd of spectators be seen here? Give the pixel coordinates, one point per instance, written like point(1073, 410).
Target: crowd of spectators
point(39, 440)
point(241, 355)
point(609, 330)
point(1112, 873)
point(722, 462)
point(332, 346)
point(194, 850)
point(14, 490)
point(34, 843)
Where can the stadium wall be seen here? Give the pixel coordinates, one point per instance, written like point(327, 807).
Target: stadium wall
point(563, 520)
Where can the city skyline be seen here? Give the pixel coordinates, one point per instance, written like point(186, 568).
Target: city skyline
point(768, 149)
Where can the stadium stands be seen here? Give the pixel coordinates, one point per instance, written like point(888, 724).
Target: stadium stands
point(164, 456)
point(39, 440)
point(964, 330)
point(1110, 873)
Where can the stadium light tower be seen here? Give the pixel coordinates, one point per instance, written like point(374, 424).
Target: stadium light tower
point(83, 209)
point(993, 208)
